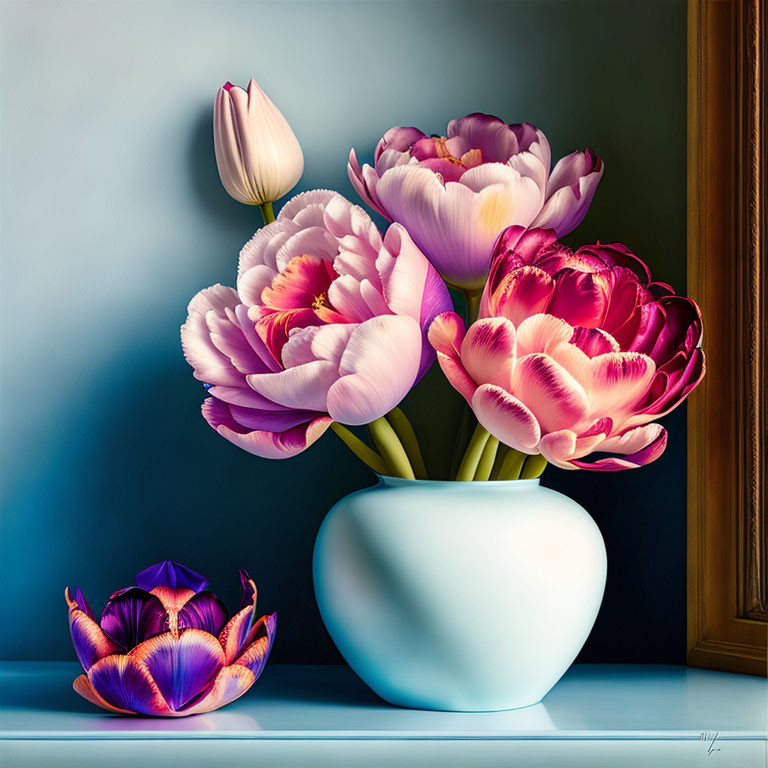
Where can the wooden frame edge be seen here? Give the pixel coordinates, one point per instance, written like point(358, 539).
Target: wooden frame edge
point(727, 527)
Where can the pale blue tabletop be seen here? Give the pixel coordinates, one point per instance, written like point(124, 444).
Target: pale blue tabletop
point(304, 702)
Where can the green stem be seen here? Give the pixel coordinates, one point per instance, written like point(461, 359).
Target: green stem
point(501, 454)
point(473, 454)
point(472, 305)
point(386, 440)
point(368, 456)
point(534, 466)
point(512, 464)
point(266, 212)
point(407, 436)
point(462, 437)
point(485, 465)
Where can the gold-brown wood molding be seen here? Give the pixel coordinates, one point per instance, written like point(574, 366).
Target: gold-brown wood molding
point(727, 436)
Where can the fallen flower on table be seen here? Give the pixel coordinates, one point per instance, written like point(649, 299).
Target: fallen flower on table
point(167, 646)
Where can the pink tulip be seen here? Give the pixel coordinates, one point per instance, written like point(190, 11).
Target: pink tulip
point(573, 352)
point(328, 323)
point(258, 156)
point(455, 194)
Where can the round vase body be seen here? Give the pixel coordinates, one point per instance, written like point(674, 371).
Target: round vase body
point(460, 596)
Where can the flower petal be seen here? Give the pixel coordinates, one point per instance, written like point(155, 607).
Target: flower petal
point(91, 644)
point(304, 387)
point(124, 683)
point(231, 683)
point(210, 364)
point(453, 225)
point(554, 396)
point(170, 574)
point(506, 418)
point(133, 615)
point(261, 638)
point(269, 445)
point(654, 433)
point(203, 611)
point(377, 369)
point(181, 668)
point(83, 686)
point(521, 293)
point(488, 351)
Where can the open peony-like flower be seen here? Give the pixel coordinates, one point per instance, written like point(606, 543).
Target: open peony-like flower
point(328, 323)
point(167, 646)
point(455, 194)
point(574, 353)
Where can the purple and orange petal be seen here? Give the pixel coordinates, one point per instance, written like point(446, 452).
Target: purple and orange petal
point(203, 611)
point(91, 644)
point(181, 668)
point(125, 684)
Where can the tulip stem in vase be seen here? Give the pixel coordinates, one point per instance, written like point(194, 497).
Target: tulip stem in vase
point(534, 466)
point(473, 454)
point(487, 459)
point(387, 442)
point(511, 465)
point(407, 436)
point(267, 212)
point(369, 457)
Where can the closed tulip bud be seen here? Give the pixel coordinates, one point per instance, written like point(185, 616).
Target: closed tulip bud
point(258, 155)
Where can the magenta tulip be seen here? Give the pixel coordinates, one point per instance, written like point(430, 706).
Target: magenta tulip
point(168, 646)
point(455, 194)
point(328, 323)
point(574, 353)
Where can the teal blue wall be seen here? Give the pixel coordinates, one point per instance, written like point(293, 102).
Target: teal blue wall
point(113, 217)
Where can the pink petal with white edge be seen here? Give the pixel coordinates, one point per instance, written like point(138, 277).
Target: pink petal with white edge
point(231, 683)
point(541, 333)
point(210, 364)
point(305, 387)
point(639, 458)
point(253, 282)
point(355, 173)
point(303, 200)
point(446, 334)
point(404, 274)
point(262, 248)
point(317, 342)
point(488, 351)
point(554, 396)
point(506, 418)
point(268, 445)
point(634, 440)
point(345, 294)
point(559, 448)
point(620, 380)
point(377, 370)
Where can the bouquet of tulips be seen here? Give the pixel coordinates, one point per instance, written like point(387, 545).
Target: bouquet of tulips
point(561, 354)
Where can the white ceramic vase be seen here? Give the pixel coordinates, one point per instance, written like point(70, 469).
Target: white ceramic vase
point(460, 596)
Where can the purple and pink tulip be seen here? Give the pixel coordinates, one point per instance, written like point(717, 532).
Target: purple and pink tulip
point(455, 194)
point(168, 646)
